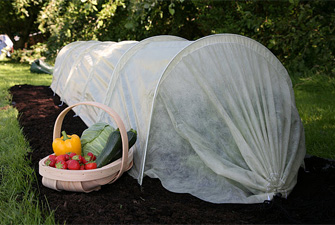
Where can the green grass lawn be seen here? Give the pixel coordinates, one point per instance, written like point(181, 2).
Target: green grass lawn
point(18, 201)
point(19, 205)
point(315, 100)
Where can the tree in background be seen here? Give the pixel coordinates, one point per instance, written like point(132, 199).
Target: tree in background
point(148, 18)
point(299, 33)
point(18, 18)
point(66, 21)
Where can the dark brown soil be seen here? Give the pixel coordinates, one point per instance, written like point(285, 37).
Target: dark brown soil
point(125, 201)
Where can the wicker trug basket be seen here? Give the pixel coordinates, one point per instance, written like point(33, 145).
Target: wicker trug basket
point(87, 180)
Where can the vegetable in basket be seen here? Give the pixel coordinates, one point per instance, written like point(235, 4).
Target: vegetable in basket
point(95, 138)
point(66, 144)
point(113, 149)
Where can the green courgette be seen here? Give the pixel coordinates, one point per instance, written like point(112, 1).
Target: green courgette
point(113, 149)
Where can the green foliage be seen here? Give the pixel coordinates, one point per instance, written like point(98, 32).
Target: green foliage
point(148, 18)
point(38, 51)
point(18, 19)
point(68, 21)
point(300, 33)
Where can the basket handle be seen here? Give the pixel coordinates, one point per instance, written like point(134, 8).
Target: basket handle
point(114, 115)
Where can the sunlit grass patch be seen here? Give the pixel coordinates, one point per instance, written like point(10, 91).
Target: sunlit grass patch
point(18, 201)
point(315, 100)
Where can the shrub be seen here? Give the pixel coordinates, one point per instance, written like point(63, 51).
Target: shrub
point(38, 51)
point(299, 33)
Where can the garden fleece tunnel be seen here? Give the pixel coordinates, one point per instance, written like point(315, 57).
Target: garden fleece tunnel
point(215, 117)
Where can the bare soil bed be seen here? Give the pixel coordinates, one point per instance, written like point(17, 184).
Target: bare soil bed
point(126, 202)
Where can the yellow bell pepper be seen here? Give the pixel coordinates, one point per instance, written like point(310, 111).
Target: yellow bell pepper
point(67, 144)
